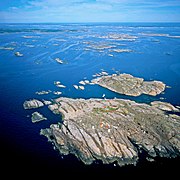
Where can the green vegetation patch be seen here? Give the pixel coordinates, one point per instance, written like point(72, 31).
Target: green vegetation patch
point(105, 109)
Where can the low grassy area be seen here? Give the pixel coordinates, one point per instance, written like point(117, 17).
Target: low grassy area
point(106, 109)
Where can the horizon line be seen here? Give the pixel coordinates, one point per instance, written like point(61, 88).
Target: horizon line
point(85, 22)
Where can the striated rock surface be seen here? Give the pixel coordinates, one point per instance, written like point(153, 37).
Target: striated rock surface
point(31, 104)
point(130, 85)
point(164, 106)
point(113, 130)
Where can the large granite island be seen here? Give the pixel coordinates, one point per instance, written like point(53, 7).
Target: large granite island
point(114, 129)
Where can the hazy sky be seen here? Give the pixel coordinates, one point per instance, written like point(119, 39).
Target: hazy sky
point(89, 10)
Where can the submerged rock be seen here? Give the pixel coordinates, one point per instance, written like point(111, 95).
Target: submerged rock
point(113, 130)
point(6, 48)
point(121, 50)
point(36, 117)
point(31, 104)
point(43, 92)
point(130, 85)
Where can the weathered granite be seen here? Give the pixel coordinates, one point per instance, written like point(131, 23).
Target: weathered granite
point(113, 130)
point(36, 117)
point(46, 102)
point(164, 106)
point(130, 85)
point(31, 104)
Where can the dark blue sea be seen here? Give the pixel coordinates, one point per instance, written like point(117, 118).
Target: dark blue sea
point(85, 49)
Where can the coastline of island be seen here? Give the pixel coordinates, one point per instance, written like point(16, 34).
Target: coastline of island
point(114, 130)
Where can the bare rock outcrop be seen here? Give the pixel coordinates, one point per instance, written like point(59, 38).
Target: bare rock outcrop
point(130, 85)
point(31, 104)
point(164, 106)
point(36, 117)
point(113, 130)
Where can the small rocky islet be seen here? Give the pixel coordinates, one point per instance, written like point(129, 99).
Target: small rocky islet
point(36, 117)
point(32, 103)
point(114, 130)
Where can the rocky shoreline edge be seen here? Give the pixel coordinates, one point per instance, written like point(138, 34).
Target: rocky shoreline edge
point(114, 130)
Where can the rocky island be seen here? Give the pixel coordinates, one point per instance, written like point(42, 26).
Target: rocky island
point(32, 103)
point(130, 85)
point(36, 117)
point(114, 130)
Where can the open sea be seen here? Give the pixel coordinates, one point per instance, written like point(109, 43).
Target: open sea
point(85, 49)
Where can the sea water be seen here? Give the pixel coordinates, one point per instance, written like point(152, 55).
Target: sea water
point(85, 50)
